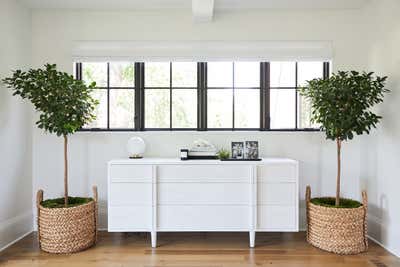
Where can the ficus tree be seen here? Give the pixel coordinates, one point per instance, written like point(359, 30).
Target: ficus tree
point(342, 105)
point(63, 103)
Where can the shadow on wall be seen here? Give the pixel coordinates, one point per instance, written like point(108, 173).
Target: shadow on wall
point(390, 111)
point(4, 105)
point(378, 217)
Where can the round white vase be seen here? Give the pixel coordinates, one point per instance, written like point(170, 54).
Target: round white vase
point(136, 147)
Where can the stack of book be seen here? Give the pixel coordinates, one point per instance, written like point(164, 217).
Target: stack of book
point(202, 154)
point(202, 150)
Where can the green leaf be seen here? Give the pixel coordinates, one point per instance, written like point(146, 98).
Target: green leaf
point(63, 103)
point(342, 103)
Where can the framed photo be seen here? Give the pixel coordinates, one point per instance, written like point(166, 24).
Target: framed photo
point(251, 150)
point(237, 150)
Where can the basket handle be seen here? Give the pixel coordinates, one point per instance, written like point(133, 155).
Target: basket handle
point(365, 206)
point(96, 199)
point(308, 194)
point(308, 198)
point(39, 197)
point(364, 199)
point(95, 194)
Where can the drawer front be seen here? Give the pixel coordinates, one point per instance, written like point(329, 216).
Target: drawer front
point(203, 218)
point(277, 218)
point(130, 172)
point(209, 173)
point(122, 194)
point(204, 193)
point(129, 218)
point(277, 172)
point(277, 194)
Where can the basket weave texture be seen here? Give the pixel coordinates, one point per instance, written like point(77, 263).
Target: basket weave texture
point(67, 230)
point(337, 230)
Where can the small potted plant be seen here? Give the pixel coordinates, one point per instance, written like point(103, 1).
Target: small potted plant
point(67, 224)
point(223, 154)
point(342, 106)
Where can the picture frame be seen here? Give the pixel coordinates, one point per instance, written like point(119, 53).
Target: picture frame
point(237, 150)
point(251, 150)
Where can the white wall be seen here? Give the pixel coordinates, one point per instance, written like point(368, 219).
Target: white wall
point(15, 127)
point(365, 39)
point(383, 148)
point(55, 30)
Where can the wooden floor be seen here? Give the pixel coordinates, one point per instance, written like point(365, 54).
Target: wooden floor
point(194, 250)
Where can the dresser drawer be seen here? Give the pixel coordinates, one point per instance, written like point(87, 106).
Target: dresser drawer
point(121, 173)
point(277, 218)
point(129, 218)
point(277, 172)
point(203, 218)
point(204, 193)
point(123, 194)
point(209, 173)
point(277, 194)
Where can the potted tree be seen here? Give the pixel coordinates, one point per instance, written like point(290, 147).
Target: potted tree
point(342, 106)
point(66, 224)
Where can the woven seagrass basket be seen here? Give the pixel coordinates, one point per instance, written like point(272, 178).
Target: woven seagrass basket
point(337, 230)
point(67, 230)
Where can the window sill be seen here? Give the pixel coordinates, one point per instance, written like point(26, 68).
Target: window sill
point(209, 131)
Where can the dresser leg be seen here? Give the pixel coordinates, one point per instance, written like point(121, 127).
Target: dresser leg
point(153, 239)
point(252, 236)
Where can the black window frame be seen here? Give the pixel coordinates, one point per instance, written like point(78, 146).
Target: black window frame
point(233, 88)
point(171, 88)
point(202, 88)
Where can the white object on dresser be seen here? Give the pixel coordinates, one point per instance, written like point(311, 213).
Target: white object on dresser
point(136, 147)
point(160, 194)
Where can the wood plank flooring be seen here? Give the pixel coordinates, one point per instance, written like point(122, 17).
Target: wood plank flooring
point(194, 250)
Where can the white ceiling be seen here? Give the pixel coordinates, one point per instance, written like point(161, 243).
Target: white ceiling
point(186, 4)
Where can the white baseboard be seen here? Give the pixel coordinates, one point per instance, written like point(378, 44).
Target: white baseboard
point(14, 229)
point(376, 225)
point(385, 247)
point(16, 240)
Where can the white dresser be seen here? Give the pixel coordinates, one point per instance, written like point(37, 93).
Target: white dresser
point(164, 194)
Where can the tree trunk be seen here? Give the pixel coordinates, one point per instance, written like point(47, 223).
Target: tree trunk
point(339, 147)
point(65, 170)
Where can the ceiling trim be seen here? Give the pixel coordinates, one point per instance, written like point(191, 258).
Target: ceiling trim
point(186, 4)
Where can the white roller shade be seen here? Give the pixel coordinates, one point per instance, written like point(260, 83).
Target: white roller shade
point(202, 51)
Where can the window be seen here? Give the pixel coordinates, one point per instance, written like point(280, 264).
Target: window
point(233, 95)
point(307, 71)
point(288, 109)
point(115, 90)
point(170, 95)
point(137, 96)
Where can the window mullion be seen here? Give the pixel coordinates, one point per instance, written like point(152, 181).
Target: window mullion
point(170, 95)
point(265, 118)
point(201, 96)
point(139, 96)
point(296, 97)
point(78, 71)
point(233, 95)
point(108, 95)
point(326, 70)
point(205, 91)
